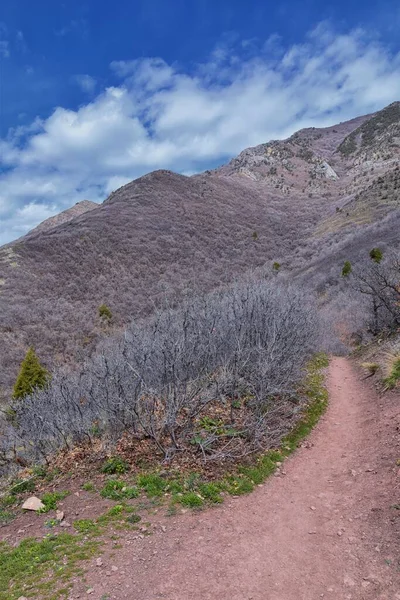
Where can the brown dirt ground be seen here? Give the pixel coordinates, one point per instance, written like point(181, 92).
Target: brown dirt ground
point(324, 528)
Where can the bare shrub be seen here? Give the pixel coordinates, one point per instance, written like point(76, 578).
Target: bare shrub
point(154, 381)
point(380, 283)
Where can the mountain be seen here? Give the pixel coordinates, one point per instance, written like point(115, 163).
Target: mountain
point(63, 217)
point(306, 202)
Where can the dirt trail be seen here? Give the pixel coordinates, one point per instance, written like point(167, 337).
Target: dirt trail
point(323, 529)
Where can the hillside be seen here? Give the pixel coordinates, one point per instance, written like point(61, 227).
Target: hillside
point(63, 217)
point(305, 202)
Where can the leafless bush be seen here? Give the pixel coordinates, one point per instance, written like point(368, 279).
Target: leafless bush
point(160, 376)
point(380, 284)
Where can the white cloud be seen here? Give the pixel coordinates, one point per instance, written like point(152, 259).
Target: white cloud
point(161, 116)
point(85, 82)
point(4, 49)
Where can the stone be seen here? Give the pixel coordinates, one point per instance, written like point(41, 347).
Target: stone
point(65, 524)
point(33, 503)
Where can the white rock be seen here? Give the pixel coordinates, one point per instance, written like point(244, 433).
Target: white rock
point(65, 524)
point(33, 503)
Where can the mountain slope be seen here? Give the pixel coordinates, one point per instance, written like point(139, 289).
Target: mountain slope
point(164, 235)
point(63, 217)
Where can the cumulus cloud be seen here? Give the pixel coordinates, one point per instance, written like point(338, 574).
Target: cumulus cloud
point(160, 115)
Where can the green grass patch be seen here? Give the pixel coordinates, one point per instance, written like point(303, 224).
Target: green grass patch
point(6, 516)
point(27, 485)
point(86, 526)
point(8, 500)
point(317, 405)
point(50, 500)
point(114, 489)
point(42, 568)
point(115, 466)
point(152, 484)
point(191, 500)
point(211, 492)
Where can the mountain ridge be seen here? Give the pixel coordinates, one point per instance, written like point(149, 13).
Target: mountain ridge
point(166, 235)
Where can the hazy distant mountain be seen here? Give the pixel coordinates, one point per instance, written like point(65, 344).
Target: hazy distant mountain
point(305, 202)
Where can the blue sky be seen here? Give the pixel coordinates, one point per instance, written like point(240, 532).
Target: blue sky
point(96, 93)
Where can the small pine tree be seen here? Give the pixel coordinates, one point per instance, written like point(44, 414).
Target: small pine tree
point(346, 269)
point(105, 312)
point(31, 376)
point(376, 255)
point(276, 266)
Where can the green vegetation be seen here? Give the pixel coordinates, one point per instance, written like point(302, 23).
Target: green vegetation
point(43, 568)
point(6, 516)
point(32, 376)
point(346, 269)
point(27, 485)
point(152, 484)
point(191, 500)
point(105, 312)
point(376, 255)
point(393, 378)
point(86, 526)
point(133, 519)
point(50, 500)
point(88, 487)
point(276, 266)
point(318, 396)
point(372, 368)
point(115, 489)
point(349, 145)
point(115, 466)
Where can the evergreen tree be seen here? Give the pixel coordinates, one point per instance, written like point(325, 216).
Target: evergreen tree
point(376, 255)
point(105, 312)
point(346, 269)
point(276, 266)
point(31, 376)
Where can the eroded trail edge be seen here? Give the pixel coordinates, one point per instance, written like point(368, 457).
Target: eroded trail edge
point(325, 527)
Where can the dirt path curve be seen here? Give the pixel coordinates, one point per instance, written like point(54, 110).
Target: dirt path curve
point(323, 529)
